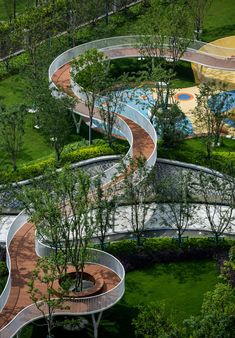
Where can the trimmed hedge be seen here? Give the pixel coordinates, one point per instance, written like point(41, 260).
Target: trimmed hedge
point(166, 249)
point(84, 153)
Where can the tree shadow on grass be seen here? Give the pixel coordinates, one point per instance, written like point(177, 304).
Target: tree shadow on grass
point(218, 32)
point(182, 272)
point(122, 327)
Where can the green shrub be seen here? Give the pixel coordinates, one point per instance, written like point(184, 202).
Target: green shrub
point(83, 153)
point(159, 244)
point(3, 269)
point(86, 153)
point(124, 246)
point(165, 249)
point(232, 254)
point(28, 171)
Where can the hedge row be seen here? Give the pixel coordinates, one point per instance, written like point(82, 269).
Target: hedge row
point(32, 170)
point(166, 249)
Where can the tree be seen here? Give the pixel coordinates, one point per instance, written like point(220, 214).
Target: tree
point(217, 317)
point(103, 209)
point(171, 124)
point(109, 106)
point(164, 111)
point(12, 120)
point(228, 268)
point(213, 107)
point(55, 119)
point(10, 8)
point(179, 36)
point(161, 78)
point(90, 72)
point(218, 197)
point(59, 206)
point(198, 10)
point(163, 27)
point(153, 321)
point(136, 191)
point(177, 209)
point(51, 298)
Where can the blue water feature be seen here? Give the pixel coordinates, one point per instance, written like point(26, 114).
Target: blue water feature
point(184, 97)
point(229, 103)
point(142, 100)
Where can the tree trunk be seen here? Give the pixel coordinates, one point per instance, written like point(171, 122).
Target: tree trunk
point(14, 165)
point(14, 9)
point(216, 238)
point(90, 129)
point(57, 155)
point(138, 242)
point(102, 246)
point(208, 148)
point(179, 238)
point(106, 12)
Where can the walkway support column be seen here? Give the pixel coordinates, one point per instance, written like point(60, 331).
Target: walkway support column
point(18, 334)
point(95, 323)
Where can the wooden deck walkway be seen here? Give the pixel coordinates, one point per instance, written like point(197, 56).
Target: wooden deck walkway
point(142, 142)
point(23, 260)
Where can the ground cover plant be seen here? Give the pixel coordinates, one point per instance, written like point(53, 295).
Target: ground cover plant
point(133, 67)
point(37, 151)
point(3, 269)
point(21, 7)
point(193, 151)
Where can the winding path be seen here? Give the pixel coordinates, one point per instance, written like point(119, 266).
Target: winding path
point(17, 308)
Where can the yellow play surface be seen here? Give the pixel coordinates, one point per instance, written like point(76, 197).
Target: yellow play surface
point(217, 74)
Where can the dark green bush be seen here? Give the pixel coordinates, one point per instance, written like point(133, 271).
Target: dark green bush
point(36, 169)
point(159, 244)
point(124, 247)
point(166, 249)
point(86, 153)
point(28, 171)
point(3, 269)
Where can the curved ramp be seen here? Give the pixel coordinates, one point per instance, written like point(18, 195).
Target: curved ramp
point(17, 308)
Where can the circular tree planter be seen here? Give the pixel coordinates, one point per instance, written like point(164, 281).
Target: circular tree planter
point(91, 285)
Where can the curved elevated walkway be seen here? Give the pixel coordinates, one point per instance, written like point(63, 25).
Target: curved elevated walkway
point(142, 142)
point(18, 309)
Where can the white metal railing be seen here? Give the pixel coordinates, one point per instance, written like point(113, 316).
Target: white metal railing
point(16, 225)
point(82, 306)
point(127, 110)
point(133, 41)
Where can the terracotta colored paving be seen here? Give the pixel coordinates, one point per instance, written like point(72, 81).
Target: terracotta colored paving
point(23, 260)
point(190, 56)
point(142, 142)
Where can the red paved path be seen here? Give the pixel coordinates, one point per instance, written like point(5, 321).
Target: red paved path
point(142, 142)
point(23, 260)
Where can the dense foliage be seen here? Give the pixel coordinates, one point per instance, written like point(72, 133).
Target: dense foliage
point(157, 250)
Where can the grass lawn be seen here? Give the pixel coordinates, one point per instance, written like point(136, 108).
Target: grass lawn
point(194, 151)
point(184, 74)
point(179, 285)
point(35, 147)
point(21, 6)
point(219, 20)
